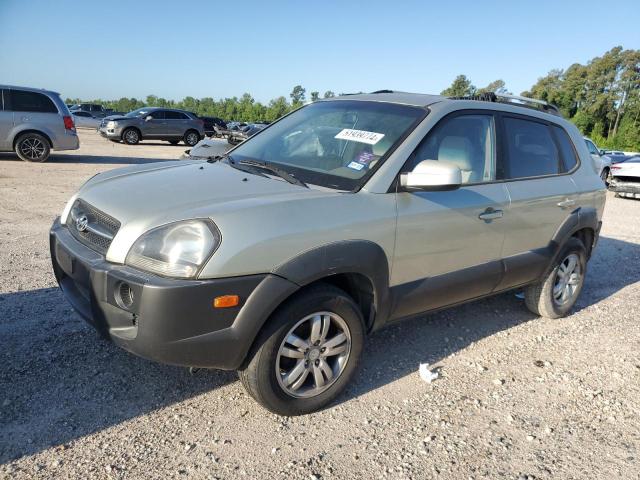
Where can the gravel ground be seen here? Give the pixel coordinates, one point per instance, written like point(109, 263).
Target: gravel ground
point(517, 397)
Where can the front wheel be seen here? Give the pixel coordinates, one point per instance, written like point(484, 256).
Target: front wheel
point(307, 353)
point(556, 294)
point(606, 176)
point(131, 136)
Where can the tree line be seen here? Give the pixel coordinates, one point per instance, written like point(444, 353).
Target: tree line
point(601, 97)
point(245, 108)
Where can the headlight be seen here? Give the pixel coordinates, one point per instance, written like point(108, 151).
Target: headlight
point(112, 124)
point(175, 250)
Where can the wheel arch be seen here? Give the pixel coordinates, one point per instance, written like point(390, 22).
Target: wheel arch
point(30, 130)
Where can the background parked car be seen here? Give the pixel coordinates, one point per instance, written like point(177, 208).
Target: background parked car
point(625, 178)
point(237, 136)
point(601, 162)
point(212, 125)
point(33, 122)
point(153, 123)
point(85, 119)
point(93, 108)
point(616, 156)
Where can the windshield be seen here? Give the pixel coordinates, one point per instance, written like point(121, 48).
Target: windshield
point(138, 113)
point(335, 144)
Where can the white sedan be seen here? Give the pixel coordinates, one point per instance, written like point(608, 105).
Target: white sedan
point(625, 179)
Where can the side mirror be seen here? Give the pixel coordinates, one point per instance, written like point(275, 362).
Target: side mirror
point(601, 152)
point(432, 176)
point(148, 118)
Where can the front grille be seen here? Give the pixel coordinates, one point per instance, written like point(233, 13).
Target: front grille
point(92, 227)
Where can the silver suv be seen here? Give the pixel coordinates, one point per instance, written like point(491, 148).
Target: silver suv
point(278, 258)
point(33, 122)
point(153, 123)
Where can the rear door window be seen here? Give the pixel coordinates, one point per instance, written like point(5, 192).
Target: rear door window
point(158, 115)
point(531, 150)
point(169, 115)
point(22, 101)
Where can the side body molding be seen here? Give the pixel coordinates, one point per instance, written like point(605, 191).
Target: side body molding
point(349, 256)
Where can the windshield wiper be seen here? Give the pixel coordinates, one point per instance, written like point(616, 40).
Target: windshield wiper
point(273, 169)
point(215, 158)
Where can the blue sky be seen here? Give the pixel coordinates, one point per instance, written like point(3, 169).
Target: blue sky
point(115, 48)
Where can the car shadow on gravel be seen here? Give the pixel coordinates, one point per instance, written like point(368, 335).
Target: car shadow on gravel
point(397, 350)
point(90, 159)
point(60, 380)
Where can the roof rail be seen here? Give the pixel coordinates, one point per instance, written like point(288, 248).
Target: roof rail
point(516, 100)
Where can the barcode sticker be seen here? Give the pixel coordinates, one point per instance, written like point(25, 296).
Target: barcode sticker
point(361, 136)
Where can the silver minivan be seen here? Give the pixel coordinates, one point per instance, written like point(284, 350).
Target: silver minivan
point(277, 258)
point(33, 122)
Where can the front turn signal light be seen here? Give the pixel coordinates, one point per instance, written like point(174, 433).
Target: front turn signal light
point(226, 301)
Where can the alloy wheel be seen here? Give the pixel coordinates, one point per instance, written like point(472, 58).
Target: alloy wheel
point(32, 148)
point(568, 279)
point(313, 354)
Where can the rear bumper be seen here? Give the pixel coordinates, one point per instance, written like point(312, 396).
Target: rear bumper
point(68, 141)
point(169, 321)
point(625, 188)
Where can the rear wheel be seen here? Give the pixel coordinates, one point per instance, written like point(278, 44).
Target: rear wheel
point(32, 147)
point(191, 138)
point(558, 292)
point(307, 353)
point(131, 136)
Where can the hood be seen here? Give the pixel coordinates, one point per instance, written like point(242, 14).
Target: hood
point(147, 196)
point(117, 117)
point(209, 147)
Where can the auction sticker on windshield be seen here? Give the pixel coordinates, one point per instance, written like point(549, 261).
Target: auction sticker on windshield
point(361, 136)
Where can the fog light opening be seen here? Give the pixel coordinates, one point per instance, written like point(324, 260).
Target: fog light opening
point(125, 296)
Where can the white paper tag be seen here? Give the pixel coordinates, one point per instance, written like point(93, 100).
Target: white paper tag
point(361, 136)
point(356, 166)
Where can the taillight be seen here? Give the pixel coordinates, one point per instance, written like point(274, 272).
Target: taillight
point(68, 123)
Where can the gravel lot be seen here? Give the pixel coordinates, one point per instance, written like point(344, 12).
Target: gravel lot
point(517, 397)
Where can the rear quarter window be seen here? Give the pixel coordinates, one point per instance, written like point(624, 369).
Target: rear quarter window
point(22, 101)
point(531, 149)
point(567, 150)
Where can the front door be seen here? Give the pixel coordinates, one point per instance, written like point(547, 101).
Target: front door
point(448, 244)
point(156, 127)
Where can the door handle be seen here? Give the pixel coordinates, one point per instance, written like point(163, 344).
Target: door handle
point(566, 203)
point(490, 214)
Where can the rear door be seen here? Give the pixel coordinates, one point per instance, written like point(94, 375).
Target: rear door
point(36, 110)
point(543, 195)
point(177, 123)
point(448, 243)
point(6, 121)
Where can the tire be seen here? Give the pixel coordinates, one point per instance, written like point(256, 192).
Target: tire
point(604, 175)
point(191, 137)
point(32, 147)
point(270, 363)
point(131, 136)
point(540, 298)
point(173, 142)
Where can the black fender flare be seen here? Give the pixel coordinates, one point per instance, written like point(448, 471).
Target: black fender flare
point(583, 217)
point(362, 257)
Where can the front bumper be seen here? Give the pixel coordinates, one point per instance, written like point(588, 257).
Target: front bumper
point(625, 188)
point(171, 321)
point(110, 132)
